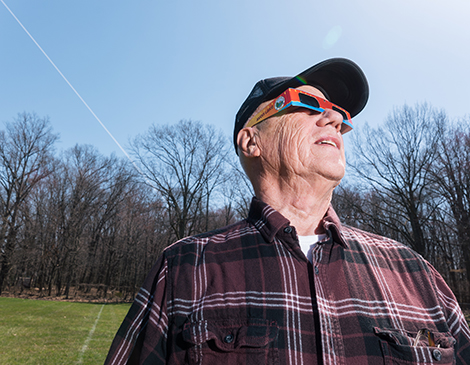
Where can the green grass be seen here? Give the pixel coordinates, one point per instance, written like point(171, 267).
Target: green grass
point(50, 332)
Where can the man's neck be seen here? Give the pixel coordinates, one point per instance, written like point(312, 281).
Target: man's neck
point(304, 204)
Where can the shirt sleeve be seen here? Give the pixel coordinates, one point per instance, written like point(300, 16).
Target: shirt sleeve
point(455, 319)
point(142, 336)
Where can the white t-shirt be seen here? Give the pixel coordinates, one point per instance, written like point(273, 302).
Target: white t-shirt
point(307, 243)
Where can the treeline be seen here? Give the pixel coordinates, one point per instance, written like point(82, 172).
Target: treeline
point(83, 221)
point(78, 220)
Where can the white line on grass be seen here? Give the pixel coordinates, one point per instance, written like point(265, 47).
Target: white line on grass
point(88, 339)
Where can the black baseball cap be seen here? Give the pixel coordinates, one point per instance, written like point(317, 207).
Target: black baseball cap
point(339, 79)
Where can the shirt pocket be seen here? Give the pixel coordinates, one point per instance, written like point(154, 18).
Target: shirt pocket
point(398, 347)
point(232, 341)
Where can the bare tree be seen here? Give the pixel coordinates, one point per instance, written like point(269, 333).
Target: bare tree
point(25, 159)
point(237, 190)
point(349, 204)
point(86, 173)
point(40, 231)
point(117, 183)
point(451, 172)
point(394, 162)
point(184, 163)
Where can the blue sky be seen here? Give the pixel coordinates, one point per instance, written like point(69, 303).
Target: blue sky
point(150, 61)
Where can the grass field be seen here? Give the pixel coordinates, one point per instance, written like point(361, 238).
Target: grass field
point(50, 332)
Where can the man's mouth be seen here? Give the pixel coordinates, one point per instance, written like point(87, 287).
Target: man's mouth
point(331, 143)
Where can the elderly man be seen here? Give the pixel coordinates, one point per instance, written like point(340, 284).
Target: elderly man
point(290, 284)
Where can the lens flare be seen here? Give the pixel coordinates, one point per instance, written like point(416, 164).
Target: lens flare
point(302, 80)
point(332, 37)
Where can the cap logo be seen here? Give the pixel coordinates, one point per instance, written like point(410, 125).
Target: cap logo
point(280, 101)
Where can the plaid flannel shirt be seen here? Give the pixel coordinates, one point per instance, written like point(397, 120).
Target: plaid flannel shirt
point(246, 294)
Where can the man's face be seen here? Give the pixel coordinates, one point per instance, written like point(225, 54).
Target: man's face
point(304, 143)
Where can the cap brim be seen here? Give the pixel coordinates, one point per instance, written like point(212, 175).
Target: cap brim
point(340, 79)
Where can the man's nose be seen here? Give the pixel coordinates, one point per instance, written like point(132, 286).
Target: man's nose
point(332, 118)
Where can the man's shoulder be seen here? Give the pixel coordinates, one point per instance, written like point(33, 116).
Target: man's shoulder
point(351, 232)
point(226, 235)
point(360, 239)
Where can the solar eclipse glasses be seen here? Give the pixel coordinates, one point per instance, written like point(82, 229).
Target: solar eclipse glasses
point(292, 98)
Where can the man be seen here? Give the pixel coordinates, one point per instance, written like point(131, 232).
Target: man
point(290, 284)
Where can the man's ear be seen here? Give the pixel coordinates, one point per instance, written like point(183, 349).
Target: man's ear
point(247, 141)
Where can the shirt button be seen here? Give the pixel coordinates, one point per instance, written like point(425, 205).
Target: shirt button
point(288, 229)
point(316, 270)
point(437, 355)
point(228, 339)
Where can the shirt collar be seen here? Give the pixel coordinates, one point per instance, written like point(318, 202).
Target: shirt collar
point(332, 223)
point(269, 221)
point(266, 219)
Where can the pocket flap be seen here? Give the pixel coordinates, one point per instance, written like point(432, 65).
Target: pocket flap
point(231, 334)
point(441, 339)
point(403, 347)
